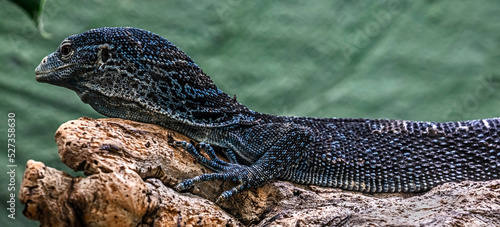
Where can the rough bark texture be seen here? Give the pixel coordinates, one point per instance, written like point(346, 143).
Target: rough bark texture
point(131, 168)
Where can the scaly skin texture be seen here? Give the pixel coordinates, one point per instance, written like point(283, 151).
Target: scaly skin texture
point(134, 74)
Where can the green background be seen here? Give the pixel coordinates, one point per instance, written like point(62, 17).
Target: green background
point(421, 60)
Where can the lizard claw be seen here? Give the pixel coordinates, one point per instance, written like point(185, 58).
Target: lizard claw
point(185, 184)
point(182, 144)
point(226, 194)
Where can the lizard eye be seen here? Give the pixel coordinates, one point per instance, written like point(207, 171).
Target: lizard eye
point(66, 50)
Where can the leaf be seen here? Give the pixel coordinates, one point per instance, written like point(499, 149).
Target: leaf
point(32, 7)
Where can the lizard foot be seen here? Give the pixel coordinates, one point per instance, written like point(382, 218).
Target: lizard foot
point(238, 173)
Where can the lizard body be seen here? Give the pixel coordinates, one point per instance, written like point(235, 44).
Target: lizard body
point(137, 75)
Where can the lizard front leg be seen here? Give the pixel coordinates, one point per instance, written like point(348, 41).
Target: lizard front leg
point(285, 153)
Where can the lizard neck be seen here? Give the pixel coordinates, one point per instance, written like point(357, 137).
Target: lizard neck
point(171, 96)
point(191, 97)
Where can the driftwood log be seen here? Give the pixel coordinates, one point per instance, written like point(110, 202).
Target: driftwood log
point(130, 169)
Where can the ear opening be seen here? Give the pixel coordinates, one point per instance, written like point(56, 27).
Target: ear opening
point(104, 54)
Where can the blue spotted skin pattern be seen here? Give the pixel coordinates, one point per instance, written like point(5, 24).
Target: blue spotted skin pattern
point(134, 74)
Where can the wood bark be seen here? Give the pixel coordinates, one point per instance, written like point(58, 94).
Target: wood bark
point(130, 169)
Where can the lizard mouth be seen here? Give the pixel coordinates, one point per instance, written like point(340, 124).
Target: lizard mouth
point(43, 76)
point(46, 75)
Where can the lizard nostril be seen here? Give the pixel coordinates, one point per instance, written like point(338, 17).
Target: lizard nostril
point(44, 60)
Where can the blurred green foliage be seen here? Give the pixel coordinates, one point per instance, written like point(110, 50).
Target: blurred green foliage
point(414, 60)
point(32, 7)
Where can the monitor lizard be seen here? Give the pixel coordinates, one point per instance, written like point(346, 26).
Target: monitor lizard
point(134, 74)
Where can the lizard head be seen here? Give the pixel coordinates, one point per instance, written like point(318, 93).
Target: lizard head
point(104, 60)
point(134, 74)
